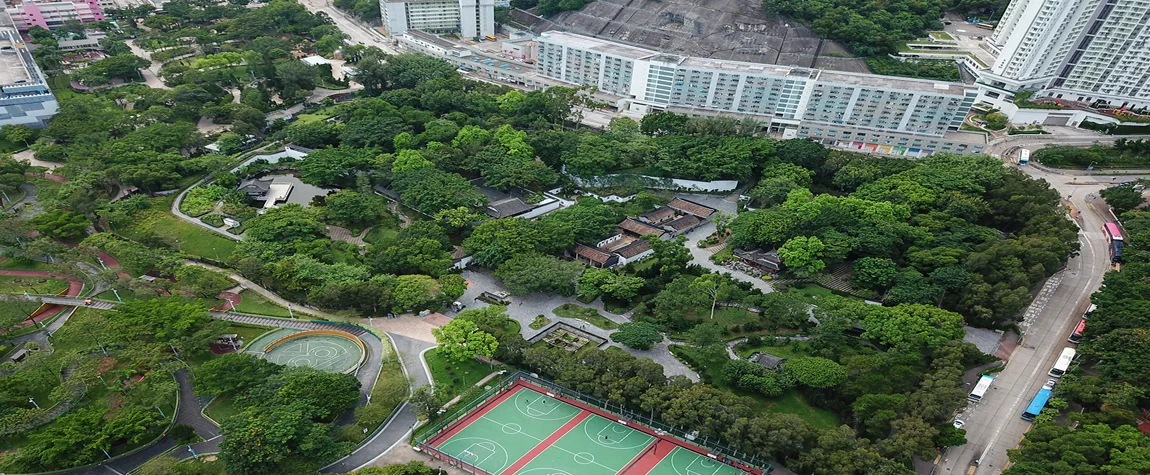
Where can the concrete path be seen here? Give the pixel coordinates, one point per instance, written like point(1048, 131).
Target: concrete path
point(702, 257)
point(29, 156)
point(247, 284)
point(176, 211)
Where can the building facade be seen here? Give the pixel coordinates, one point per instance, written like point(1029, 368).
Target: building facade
point(1091, 51)
point(24, 95)
point(469, 18)
point(859, 111)
point(53, 14)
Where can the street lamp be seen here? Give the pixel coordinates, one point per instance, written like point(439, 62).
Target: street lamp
point(1090, 167)
point(33, 401)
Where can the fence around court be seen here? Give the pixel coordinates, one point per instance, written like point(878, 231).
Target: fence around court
point(645, 423)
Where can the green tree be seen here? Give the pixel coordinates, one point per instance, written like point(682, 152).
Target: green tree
point(60, 224)
point(327, 394)
point(714, 286)
point(637, 335)
point(497, 241)
point(803, 255)
point(815, 372)
point(352, 207)
point(18, 133)
point(874, 273)
point(913, 327)
point(533, 272)
point(1122, 198)
point(233, 372)
point(461, 340)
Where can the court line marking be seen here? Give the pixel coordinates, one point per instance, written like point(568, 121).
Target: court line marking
point(506, 456)
point(556, 444)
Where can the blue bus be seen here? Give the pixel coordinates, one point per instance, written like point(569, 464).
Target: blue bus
point(1037, 404)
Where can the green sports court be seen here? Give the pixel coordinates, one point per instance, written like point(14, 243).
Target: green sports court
point(526, 432)
point(325, 350)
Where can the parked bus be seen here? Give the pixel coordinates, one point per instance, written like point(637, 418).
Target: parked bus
point(1024, 157)
point(1063, 363)
point(1089, 310)
point(1076, 337)
point(1037, 404)
point(1112, 232)
point(981, 388)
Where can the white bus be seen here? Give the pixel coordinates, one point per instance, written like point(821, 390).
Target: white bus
point(981, 388)
point(1063, 363)
point(1024, 157)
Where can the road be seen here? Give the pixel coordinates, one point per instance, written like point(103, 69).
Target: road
point(355, 29)
point(994, 425)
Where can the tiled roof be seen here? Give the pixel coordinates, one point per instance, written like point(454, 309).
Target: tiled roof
point(639, 228)
point(507, 207)
point(591, 254)
point(691, 207)
point(659, 215)
point(635, 248)
point(683, 223)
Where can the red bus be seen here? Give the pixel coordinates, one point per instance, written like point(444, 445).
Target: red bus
point(1076, 337)
point(1112, 232)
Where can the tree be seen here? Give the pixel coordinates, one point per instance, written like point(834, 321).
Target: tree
point(497, 241)
point(326, 393)
point(815, 372)
point(803, 255)
point(60, 224)
point(461, 340)
point(352, 207)
point(913, 327)
point(18, 133)
point(296, 77)
point(637, 335)
point(233, 372)
point(260, 440)
point(713, 286)
point(671, 257)
point(533, 272)
point(424, 401)
point(606, 281)
point(287, 223)
point(1122, 198)
point(874, 273)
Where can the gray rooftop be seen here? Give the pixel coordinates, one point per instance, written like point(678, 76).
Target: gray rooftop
point(595, 44)
point(14, 58)
point(430, 38)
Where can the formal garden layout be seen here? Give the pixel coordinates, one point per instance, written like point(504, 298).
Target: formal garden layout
point(207, 266)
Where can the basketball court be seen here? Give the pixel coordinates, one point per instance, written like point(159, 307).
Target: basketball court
point(526, 432)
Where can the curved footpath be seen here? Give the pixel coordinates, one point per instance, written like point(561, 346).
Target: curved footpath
point(190, 413)
point(176, 211)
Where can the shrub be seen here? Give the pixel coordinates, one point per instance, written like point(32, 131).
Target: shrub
point(182, 433)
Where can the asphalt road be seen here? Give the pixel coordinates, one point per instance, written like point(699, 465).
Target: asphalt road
point(994, 425)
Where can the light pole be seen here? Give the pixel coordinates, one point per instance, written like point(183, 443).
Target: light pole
point(290, 313)
point(117, 294)
point(102, 263)
point(1090, 167)
point(33, 401)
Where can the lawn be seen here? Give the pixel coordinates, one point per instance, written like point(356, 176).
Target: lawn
point(222, 407)
point(539, 322)
point(125, 295)
point(309, 118)
point(22, 264)
point(182, 235)
point(257, 304)
point(783, 351)
point(386, 231)
point(941, 35)
point(34, 285)
point(791, 402)
point(452, 379)
point(588, 315)
point(811, 292)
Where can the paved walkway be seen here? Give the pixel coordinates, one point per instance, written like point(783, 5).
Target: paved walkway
point(702, 257)
point(247, 284)
point(180, 214)
point(343, 234)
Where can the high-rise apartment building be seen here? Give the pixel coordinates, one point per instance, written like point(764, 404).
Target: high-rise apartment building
point(829, 105)
point(469, 18)
point(52, 14)
point(1093, 51)
point(24, 95)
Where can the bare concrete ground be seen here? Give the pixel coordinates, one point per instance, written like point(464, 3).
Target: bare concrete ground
point(721, 29)
point(403, 453)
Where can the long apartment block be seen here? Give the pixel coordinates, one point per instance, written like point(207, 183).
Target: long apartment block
point(864, 112)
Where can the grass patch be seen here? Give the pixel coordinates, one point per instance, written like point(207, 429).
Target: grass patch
point(125, 295)
point(539, 322)
point(23, 264)
point(811, 293)
point(710, 369)
point(782, 351)
point(254, 303)
point(452, 379)
point(941, 35)
point(223, 407)
point(309, 118)
point(386, 231)
point(158, 222)
point(11, 284)
point(588, 315)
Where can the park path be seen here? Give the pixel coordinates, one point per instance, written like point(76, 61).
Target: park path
point(247, 284)
point(343, 234)
point(46, 311)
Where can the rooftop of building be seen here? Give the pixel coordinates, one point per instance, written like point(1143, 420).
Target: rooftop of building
point(691, 207)
point(14, 59)
point(640, 229)
point(595, 44)
point(504, 204)
point(433, 39)
point(592, 254)
point(856, 79)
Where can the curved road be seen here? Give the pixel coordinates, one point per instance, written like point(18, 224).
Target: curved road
point(994, 425)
